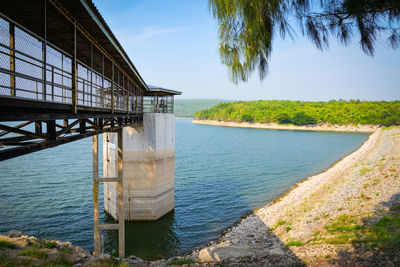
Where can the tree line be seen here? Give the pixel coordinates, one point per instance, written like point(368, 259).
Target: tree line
point(342, 112)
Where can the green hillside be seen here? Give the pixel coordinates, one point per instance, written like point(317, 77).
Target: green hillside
point(187, 107)
point(301, 113)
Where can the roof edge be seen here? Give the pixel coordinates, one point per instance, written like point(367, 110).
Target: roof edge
point(153, 88)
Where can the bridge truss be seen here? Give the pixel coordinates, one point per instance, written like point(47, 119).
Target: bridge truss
point(63, 77)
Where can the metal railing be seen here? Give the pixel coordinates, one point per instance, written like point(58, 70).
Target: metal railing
point(31, 67)
point(158, 104)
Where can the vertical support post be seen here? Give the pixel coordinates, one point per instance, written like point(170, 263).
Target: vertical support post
point(51, 129)
point(52, 83)
point(127, 95)
point(141, 101)
point(157, 104)
point(74, 77)
point(37, 90)
point(112, 88)
point(101, 123)
point(116, 96)
point(136, 97)
point(82, 126)
point(102, 244)
point(121, 213)
point(83, 90)
point(102, 80)
point(44, 71)
point(12, 58)
point(96, 219)
point(38, 127)
point(44, 53)
point(62, 79)
point(91, 75)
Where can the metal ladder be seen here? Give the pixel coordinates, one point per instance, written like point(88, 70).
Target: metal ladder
point(120, 226)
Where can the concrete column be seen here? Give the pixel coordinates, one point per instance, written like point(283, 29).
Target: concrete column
point(148, 168)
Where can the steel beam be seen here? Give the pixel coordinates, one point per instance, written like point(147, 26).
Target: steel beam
point(74, 77)
point(112, 87)
point(12, 58)
point(23, 132)
point(121, 213)
point(44, 52)
point(96, 220)
point(109, 226)
point(54, 138)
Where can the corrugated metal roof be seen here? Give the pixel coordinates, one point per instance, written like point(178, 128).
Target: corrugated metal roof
point(161, 89)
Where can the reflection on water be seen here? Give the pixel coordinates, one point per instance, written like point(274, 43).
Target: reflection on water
point(149, 240)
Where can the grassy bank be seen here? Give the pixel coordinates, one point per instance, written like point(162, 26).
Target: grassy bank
point(348, 215)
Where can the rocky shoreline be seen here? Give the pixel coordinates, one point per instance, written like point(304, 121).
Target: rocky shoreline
point(324, 127)
point(328, 219)
point(18, 249)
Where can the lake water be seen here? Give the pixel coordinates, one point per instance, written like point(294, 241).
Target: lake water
point(221, 173)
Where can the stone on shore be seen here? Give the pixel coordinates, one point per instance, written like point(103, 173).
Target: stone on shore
point(217, 253)
point(15, 233)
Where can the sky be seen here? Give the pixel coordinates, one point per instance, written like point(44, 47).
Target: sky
point(174, 44)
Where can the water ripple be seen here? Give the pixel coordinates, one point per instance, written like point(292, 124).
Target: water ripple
point(220, 174)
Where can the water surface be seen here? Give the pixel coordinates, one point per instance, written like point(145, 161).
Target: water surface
point(221, 173)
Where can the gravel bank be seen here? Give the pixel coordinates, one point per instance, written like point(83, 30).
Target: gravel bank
point(319, 127)
point(297, 228)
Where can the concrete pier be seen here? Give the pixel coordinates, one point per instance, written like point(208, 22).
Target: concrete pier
point(148, 168)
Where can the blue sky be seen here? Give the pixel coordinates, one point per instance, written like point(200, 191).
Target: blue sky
point(174, 44)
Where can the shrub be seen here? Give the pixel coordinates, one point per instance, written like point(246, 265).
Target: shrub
point(283, 118)
point(247, 118)
point(294, 243)
point(181, 261)
point(33, 252)
point(49, 244)
point(301, 118)
point(7, 244)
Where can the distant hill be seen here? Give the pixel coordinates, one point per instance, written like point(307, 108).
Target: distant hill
point(187, 107)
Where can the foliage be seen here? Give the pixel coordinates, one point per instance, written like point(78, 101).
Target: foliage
point(13, 262)
point(384, 234)
point(48, 244)
point(299, 112)
point(247, 28)
point(60, 261)
point(247, 118)
point(7, 244)
point(283, 118)
point(187, 107)
point(181, 261)
point(294, 243)
point(345, 223)
point(33, 252)
point(301, 118)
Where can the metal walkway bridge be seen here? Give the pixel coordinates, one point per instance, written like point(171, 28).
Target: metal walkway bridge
point(64, 76)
